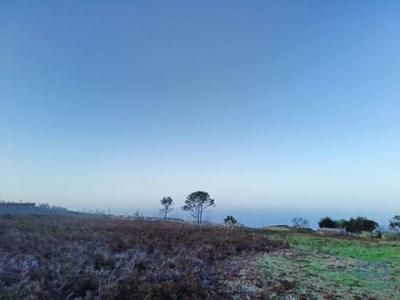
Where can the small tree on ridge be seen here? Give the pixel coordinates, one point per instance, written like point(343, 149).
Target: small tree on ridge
point(167, 206)
point(299, 222)
point(196, 203)
point(230, 221)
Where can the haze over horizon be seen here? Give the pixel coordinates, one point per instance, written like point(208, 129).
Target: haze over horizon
point(270, 106)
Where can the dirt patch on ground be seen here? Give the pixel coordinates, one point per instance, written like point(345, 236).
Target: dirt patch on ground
point(241, 278)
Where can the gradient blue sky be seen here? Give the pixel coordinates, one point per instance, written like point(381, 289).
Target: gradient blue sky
point(270, 106)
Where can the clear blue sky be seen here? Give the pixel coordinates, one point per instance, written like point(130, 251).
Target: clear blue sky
point(267, 105)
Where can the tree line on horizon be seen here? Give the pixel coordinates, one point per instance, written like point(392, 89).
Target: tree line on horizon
point(354, 225)
point(357, 225)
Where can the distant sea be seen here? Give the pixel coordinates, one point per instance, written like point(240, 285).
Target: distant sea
point(268, 217)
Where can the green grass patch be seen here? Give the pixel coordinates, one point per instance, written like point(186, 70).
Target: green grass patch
point(317, 267)
point(365, 250)
point(317, 276)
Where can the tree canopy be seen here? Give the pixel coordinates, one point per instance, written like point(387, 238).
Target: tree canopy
point(230, 221)
point(327, 223)
point(196, 203)
point(299, 222)
point(354, 225)
point(167, 206)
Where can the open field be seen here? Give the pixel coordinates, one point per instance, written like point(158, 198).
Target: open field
point(316, 267)
point(55, 257)
point(49, 257)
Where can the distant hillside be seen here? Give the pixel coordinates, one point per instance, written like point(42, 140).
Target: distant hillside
point(33, 208)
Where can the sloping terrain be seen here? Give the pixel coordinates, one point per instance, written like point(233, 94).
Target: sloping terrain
point(60, 257)
point(49, 257)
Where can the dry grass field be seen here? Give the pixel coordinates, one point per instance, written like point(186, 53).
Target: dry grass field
point(49, 257)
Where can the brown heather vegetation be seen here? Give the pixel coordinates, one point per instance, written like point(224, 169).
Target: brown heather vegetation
point(55, 257)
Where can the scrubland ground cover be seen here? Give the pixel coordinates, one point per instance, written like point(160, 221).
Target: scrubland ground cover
point(55, 257)
point(316, 267)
